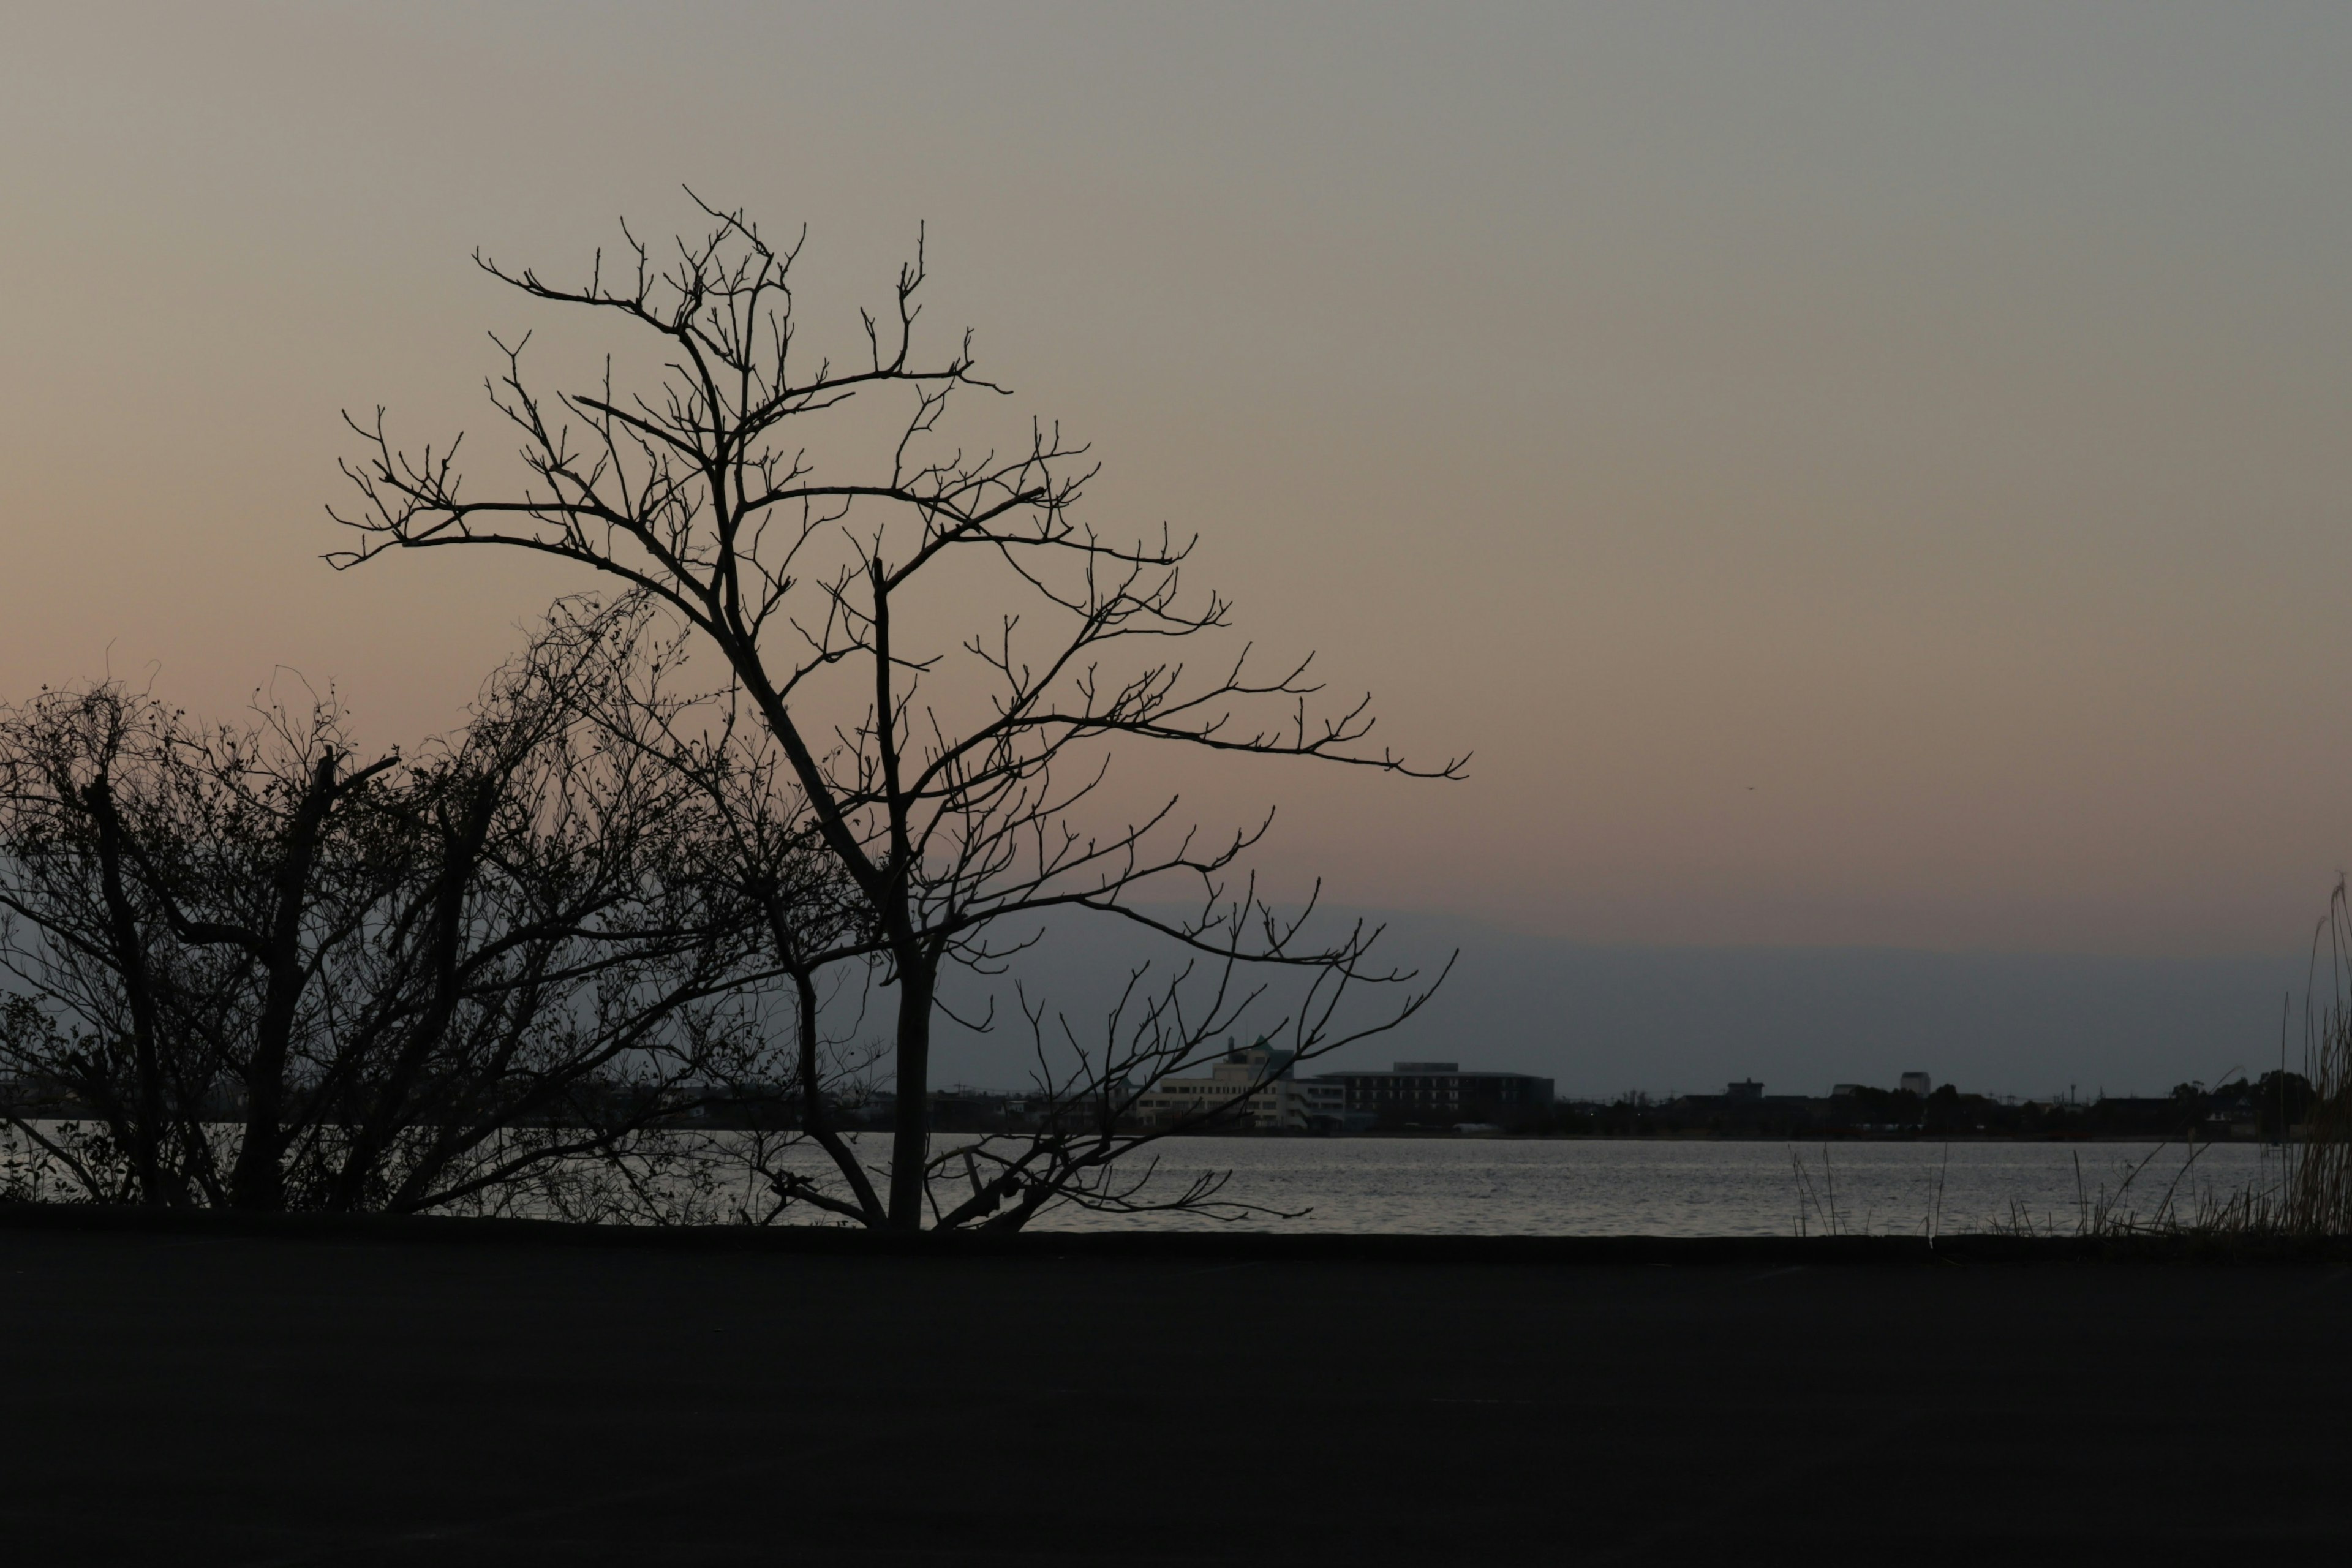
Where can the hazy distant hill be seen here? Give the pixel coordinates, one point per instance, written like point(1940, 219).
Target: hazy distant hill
point(1602, 1020)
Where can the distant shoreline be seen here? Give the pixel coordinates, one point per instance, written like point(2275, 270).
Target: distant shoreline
point(1702, 1136)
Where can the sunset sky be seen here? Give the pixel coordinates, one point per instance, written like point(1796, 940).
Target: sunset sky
point(1853, 475)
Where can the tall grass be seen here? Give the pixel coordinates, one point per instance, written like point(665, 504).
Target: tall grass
point(2311, 1195)
point(2163, 1193)
point(2315, 1198)
point(2201, 1209)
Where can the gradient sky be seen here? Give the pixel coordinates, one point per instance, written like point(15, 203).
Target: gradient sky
point(1853, 474)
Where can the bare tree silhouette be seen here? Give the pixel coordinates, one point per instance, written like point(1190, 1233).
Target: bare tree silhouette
point(274, 977)
point(926, 634)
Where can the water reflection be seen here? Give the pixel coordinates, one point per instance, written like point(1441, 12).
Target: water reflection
point(1648, 1188)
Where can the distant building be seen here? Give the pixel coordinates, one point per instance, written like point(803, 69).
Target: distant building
point(1252, 1087)
point(1917, 1083)
point(1440, 1094)
point(1745, 1090)
point(1324, 1101)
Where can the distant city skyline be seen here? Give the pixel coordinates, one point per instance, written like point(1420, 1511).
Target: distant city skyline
point(1602, 1020)
point(1853, 476)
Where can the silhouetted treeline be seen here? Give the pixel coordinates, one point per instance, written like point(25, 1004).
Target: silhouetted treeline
point(254, 968)
point(2262, 1108)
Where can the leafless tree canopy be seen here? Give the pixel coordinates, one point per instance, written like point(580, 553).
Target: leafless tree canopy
point(264, 971)
point(945, 655)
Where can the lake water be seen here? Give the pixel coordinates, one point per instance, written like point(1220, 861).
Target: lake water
point(1661, 1187)
point(1503, 1186)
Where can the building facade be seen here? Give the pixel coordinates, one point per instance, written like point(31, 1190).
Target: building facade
point(1256, 1088)
point(1251, 1088)
point(1440, 1094)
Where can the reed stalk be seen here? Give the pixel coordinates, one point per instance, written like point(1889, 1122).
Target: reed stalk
point(2316, 1192)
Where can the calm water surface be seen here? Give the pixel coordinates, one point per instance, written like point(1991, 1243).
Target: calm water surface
point(1483, 1186)
point(1646, 1187)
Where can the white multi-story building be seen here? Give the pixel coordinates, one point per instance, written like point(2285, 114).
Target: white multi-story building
point(1252, 1088)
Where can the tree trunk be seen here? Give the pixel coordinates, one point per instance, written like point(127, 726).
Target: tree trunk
point(815, 1119)
point(382, 1122)
point(258, 1179)
point(910, 1147)
point(130, 945)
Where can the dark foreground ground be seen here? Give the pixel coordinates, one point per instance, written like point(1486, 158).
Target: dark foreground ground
point(207, 1397)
